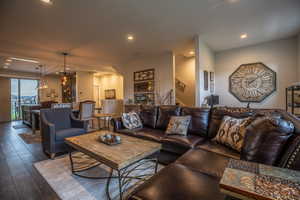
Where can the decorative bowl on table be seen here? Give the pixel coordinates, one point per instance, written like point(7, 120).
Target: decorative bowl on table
point(110, 139)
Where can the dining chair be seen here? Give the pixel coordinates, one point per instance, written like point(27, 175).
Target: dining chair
point(87, 111)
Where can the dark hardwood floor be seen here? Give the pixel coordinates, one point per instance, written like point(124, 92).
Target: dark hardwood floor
point(18, 177)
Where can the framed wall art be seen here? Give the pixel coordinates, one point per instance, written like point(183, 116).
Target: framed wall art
point(212, 82)
point(179, 85)
point(110, 94)
point(205, 80)
point(144, 75)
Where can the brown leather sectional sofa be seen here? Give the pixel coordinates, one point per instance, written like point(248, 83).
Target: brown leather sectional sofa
point(273, 139)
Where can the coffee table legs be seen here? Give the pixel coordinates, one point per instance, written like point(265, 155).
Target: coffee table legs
point(123, 175)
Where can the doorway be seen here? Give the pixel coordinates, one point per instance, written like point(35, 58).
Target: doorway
point(23, 92)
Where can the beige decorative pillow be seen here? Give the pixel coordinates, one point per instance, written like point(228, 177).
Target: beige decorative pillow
point(131, 120)
point(232, 132)
point(178, 125)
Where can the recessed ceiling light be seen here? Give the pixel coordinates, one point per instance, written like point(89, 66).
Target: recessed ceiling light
point(130, 37)
point(244, 36)
point(25, 60)
point(232, 1)
point(5, 67)
point(47, 1)
point(191, 52)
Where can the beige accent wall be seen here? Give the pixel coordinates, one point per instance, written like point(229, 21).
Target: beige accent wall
point(185, 72)
point(280, 55)
point(85, 86)
point(111, 82)
point(164, 66)
point(5, 99)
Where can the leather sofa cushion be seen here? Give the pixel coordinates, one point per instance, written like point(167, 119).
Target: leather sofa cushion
point(265, 140)
point(204, 161)
point(70, 132)
point(219, 149)
point(189, 141)
point(164, 115)
point(145, 133)
point(218, 113)
point(180, 183)
point(148, 115)
point(199, 121)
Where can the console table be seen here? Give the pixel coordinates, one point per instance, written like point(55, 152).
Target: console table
point(248, 180)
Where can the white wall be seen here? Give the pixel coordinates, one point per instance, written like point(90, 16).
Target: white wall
point(164, 66)
point(185, 72)
point(85, 86)
point(298, 57)
point(205, 60)
point(280, 55)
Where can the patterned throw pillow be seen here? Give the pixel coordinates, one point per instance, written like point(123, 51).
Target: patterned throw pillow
point(178, 125)
point(232, 132)
point(131, 120)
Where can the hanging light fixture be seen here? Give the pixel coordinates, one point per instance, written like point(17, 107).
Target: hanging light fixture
point(64, 78)
point(43, 84)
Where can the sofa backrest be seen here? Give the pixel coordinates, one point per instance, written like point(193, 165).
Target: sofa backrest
point(199, 120)
point(148, 115)
point(164, 115)
point(218, 113)
point(60, 117)
point(265, 140)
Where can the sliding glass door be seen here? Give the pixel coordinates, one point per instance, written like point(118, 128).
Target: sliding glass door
point(23, 91)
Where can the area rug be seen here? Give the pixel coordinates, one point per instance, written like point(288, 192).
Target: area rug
point(20, 126)
point(30, 138)
point(71, 187)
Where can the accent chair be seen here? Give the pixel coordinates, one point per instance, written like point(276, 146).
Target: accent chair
point(56, 125)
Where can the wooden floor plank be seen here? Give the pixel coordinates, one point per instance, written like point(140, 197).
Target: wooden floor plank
point(19, 178)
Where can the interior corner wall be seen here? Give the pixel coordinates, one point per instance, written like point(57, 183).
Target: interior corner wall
point(280, 56)
point(185, 72)
point(85, 86)
point(5, 100)
point(164, 66)
point(204, 61)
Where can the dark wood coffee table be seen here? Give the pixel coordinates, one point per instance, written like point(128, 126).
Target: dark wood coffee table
point(248, 180)
point(118, 157)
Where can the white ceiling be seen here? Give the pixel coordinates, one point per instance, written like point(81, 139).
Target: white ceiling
point(94, 31)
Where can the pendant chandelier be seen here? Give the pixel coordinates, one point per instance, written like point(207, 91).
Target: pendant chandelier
point(64, 78)
point(42, 84)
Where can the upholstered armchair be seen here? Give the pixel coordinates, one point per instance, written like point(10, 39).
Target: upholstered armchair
point(56, 125)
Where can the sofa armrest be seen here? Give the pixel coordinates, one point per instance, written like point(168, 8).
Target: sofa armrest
point(47, 132)
point(117, 123)
point(76, 123)
point(291, 157)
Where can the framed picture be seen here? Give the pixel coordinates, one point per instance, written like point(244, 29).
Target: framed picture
point(205, 80)
point(179, 85)
point(110, 94)
point(144, 75)
point(212, 82)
